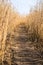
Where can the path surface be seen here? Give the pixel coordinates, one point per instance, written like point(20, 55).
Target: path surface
point(26, 55)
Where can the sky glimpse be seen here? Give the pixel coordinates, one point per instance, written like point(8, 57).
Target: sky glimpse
point(23, 6)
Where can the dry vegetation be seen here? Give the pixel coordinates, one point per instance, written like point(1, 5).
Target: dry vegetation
point(21, 38)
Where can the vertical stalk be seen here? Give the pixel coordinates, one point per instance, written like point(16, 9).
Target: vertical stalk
point(4, 33)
